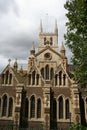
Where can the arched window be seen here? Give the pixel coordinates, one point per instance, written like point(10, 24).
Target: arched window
point(64, 79)
point(44, 40)
point(61, 108)
point(37, 79)
point(67, 109)
point(54, 109)
point(60, 78)
point(38, 108)
point(33, 77)
point(42, 72)
point(32, 110)
point(29, 79)
point(26, 107)
point(4, 107)
point(10, 79)
point(51, 73)
point(47, 71)
point(6, 81)
point(10, 108)
point(2, 79)
point(51, 40)
point(55, 79)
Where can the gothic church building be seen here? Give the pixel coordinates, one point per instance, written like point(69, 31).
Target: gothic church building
point(45, 94)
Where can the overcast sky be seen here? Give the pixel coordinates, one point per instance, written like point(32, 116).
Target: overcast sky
point(19, 26)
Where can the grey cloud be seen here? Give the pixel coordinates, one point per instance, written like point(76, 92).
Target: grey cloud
point(6, 5)
point(18, 46)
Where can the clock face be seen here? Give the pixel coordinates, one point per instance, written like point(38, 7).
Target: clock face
point(47, 55)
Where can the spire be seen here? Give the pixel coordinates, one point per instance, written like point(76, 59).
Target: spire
point(41, 29)
point(63, 49)
point(15, 65)
point(32, 51)
point(56, 28)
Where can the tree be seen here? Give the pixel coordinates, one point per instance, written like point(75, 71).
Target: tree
point(77, 127)
point(76, 37)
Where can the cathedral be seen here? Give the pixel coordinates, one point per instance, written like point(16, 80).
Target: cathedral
point(45, 95)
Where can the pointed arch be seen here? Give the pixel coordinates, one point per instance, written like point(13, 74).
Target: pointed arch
point(64, 79)
point(10, 108)
point(32, 110)
point(37, 79)
point(51, 41)
point(29, 79)
point(44, 40)
point(39, 108)
point(26, 107)
point(51, 73)
point(6, 80)
point(60, 78)
point(54, 109)
point(42, 72)
point(67, 109)
point(56, 81)
point(4, 106)
point(10, 78)
point(61, 107)
point(47, 71)
point(33, 77)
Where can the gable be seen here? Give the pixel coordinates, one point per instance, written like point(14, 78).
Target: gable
point(49, 55)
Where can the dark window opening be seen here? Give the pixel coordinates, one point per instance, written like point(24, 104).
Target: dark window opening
point(60, 108)
point(4, 108)
point(47, 72)
point(32, 114)
point(38, 108)
point(10, 109)
point(51, 73)
point(42, 72)
point(67, 109)
point(60, 78)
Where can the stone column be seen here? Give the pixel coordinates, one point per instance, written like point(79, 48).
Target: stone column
point(46, 94)
point(18, 106)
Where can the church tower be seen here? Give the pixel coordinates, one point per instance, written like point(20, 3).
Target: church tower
point(47, 38)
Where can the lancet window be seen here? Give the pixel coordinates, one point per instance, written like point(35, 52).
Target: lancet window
point(32, 110)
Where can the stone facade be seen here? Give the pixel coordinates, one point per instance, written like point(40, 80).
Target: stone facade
point(45, 95)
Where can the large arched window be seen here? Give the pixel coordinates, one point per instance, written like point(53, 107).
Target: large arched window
point(60, 78)
point(26, 107)
point(38, 108)
point(4, 106)
point(33, 77)
point(32, 110)
point(61, 108)
point(47, 71)
point(42, 72)
point(51, 73)
point(67, 109)
point(10, 108)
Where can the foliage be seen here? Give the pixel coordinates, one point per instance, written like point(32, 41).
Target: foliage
point(76, 37)
point(77, 127)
